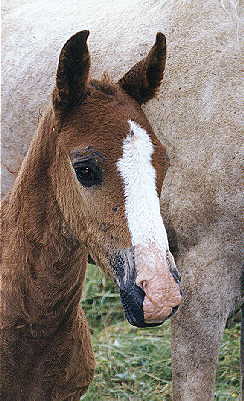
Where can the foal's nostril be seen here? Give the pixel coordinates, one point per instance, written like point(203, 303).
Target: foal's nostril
point(143, 284)
point(174, 309)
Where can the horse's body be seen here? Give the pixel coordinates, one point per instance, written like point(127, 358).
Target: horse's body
point(196, 116)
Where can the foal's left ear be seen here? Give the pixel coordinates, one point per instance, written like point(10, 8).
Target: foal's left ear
point(72, 73)
point(143, 80)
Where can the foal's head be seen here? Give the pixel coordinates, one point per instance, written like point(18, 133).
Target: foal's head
point(109, 172)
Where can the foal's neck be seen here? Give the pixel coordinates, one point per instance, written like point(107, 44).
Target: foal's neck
point(44, 263)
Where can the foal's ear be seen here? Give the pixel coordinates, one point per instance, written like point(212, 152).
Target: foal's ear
point(142, 81)
point(72, 73)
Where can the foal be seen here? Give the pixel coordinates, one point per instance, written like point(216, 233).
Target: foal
point(89, 184)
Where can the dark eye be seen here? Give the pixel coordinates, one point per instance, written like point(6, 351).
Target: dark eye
point(88, 173)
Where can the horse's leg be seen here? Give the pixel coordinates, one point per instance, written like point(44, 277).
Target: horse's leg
point(198, 328)
point(195, 344)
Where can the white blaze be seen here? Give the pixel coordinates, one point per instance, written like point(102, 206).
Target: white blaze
point(142, 205)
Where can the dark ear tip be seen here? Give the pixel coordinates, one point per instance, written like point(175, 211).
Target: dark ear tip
point(84, 34)
point(160, 39)
point(80, 36)
point(78, 39)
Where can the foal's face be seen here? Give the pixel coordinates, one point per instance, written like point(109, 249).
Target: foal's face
point(113, 168)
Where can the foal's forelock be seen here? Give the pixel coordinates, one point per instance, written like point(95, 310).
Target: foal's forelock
point(142, 207)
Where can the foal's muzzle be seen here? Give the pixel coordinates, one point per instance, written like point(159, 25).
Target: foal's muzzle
point(132, 295)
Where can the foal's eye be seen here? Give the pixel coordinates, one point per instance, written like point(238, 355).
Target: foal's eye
point(88, 173)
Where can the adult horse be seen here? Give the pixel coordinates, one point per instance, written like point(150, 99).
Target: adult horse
point(196, 115)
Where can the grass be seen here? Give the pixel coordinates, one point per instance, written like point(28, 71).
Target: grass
point(134, 364)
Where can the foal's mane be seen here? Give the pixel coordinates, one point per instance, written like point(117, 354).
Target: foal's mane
point(104, 85)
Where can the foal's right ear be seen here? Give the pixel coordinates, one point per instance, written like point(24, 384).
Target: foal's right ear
point(72, 73)
point(143, 80)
